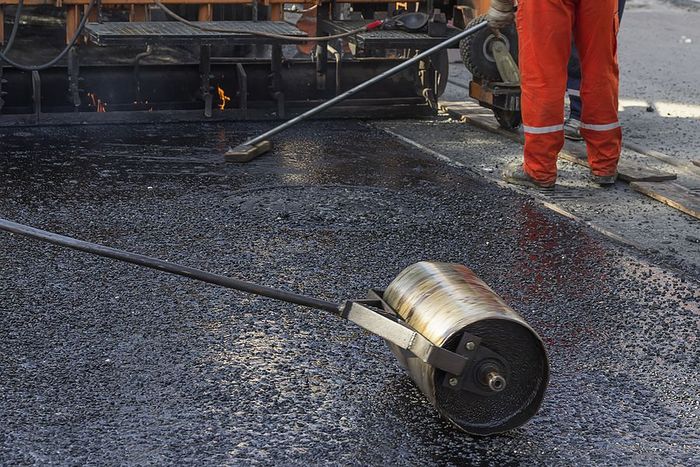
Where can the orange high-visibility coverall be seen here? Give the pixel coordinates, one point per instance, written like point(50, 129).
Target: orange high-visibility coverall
point(545, 29)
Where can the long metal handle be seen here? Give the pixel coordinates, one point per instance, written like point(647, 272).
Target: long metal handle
point(355, 311)
point(167, 266)
point(366, 84)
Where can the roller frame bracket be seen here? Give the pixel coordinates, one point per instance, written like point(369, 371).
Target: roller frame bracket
point(375, 316)
point(480, 354)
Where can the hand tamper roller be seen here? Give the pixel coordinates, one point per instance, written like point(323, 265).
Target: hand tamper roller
point(506, 369)
point(473, 357)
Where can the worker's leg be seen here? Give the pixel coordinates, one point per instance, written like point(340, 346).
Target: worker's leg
point(574, 82)
point(596, 39)
point(544, 31)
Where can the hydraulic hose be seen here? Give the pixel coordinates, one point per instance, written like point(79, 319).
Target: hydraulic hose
point(271, 35)
point(15, 27)
point(58, 57)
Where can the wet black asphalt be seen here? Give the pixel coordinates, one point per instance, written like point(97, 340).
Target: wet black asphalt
point(107, 363)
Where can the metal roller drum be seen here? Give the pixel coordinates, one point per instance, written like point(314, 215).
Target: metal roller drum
point(508, 371)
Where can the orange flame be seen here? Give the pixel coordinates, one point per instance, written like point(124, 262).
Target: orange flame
point(97, 103)
point(223, 98)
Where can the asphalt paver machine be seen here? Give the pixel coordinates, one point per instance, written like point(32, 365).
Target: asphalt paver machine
point(182, 60)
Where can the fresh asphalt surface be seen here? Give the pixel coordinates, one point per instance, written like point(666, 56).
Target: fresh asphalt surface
point(106, 363)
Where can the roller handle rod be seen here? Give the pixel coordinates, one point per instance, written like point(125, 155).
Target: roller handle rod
point(366, 84)
point(167, 266)
point(354, 311)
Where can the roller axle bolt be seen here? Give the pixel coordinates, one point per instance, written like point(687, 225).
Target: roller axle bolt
point(470, 345)
point(497, 383)
point(490, 375)
point(453, 381)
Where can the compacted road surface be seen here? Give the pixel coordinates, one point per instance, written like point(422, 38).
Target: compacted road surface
point(103, 362)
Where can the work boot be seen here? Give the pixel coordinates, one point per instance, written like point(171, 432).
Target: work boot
point(572, 130)
point(514, 173)
point(604, 180)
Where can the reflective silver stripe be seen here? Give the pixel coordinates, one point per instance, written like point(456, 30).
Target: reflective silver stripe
point(609, 126)
point(573, 92)
point(540, 130)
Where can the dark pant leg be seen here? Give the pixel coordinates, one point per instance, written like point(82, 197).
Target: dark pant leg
point(573, 85)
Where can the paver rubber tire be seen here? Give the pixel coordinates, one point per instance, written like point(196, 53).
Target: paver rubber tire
point(475, 55)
